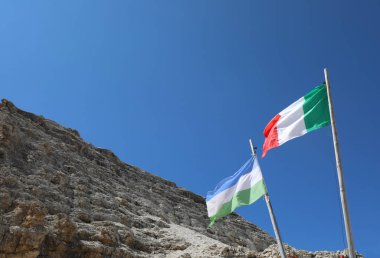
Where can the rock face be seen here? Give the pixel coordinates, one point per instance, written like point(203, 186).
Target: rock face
point(63, 197)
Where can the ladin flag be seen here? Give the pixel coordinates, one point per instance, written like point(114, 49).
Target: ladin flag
point(243, 188)
point(305, 115)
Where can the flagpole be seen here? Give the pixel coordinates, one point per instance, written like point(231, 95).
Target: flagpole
point(271, 213)
point(346, 217)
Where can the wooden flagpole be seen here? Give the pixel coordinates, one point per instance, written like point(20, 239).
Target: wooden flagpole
point(343, 198)
point(271, 213)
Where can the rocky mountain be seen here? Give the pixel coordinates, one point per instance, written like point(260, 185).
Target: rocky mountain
point(63, 197)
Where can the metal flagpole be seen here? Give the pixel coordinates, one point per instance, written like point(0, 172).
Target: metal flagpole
point(270, 209)
point(346, 217)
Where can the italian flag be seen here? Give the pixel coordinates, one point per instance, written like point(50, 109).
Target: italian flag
point(305, 115)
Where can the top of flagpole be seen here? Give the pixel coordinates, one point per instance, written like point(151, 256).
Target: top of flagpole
point(253, 149)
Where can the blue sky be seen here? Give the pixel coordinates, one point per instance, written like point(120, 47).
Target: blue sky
point(178, 87)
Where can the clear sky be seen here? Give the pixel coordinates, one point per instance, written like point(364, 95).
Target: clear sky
point(178, 87)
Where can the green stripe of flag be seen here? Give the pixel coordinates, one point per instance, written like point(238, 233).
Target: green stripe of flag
point(316, 108)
